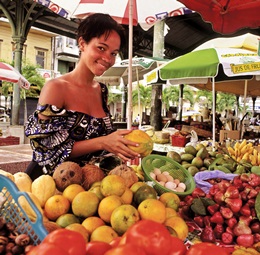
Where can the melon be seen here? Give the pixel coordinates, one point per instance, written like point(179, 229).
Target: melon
point(43, 188)
point(145, 142)
point(23, 181)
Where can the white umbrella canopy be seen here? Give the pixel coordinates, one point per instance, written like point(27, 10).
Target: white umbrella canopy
point(10, 74)
point(118, 9)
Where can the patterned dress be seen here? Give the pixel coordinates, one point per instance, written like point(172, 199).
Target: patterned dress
point(52, 139)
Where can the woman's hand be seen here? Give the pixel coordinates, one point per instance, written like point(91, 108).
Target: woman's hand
point(117, 144)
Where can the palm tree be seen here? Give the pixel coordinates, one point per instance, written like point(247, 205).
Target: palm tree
point(171, 96)
point(145, 97)
point(225, 101)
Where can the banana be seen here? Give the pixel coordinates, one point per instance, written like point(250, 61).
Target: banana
point(231, 151)
point(246, 156)
point(242, 144)
point(244, 149)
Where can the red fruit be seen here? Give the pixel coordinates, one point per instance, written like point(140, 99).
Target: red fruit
point(223, 185)
point(246, 219)
point(207, 235)
point(198, 192)
point(238, 182)
point(245, 240)
point(255, 227)
point(219, 197)
point(188, 199)
point(217, 218)
point(232, 192)
point(244, 177)
point(241, 228)
point(231, 222)
point(254, 180)
point(229, 230)
point(218, 230)
point(251, 202)
point(226, 212)
point(256, 238)
point(252, 194)
point(234, 204)
point(206, 220)
point(199, 221)
point(245, 210)
point(213, 190)
point(227, 238)
point(213, 208)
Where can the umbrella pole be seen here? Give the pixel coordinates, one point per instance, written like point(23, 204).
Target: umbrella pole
point(139, 99)
point(213, 114)
point(130, 55)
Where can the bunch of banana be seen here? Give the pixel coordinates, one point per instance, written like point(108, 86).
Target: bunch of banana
point(245, 151)
point(138, 171)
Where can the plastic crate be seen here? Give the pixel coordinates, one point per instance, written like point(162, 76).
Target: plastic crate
point(12, 211)
point(175, 170)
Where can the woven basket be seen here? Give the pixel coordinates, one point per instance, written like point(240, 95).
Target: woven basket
point(176, 170)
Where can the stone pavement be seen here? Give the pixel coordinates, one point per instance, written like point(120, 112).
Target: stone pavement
point(15, 158)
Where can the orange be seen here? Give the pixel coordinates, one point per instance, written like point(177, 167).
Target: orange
point(107, 206)
point(104, 234)
point(124, 217)
point(72, 190)
point(152, 209)
point(127, 196)
point(85, 204)
point(92, 222)
point(179, 225)
point(170, 199)
point(170, 212)
point(113, 185)
point(56, 206)
point(136, 186)
point(79, 228)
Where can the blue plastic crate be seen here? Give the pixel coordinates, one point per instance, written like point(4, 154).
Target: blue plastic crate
point(12, 211)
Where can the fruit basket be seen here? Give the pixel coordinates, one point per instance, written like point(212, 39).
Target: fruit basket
point(176, 170)
point(12, 211)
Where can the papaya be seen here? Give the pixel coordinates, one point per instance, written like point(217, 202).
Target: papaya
point(23, 181)
point(145, 142)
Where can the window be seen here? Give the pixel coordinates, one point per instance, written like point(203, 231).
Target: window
point(41, 57)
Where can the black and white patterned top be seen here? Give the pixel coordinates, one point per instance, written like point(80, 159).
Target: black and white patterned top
point(52, 140)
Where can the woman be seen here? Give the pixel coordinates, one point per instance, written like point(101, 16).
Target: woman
point(72, 119)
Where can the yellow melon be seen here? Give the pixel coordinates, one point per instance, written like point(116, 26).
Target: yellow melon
point(143, 139)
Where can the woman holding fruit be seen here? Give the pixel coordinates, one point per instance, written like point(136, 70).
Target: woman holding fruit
point(72, 120)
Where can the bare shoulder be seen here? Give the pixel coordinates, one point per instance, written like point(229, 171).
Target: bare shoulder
point(54, 92)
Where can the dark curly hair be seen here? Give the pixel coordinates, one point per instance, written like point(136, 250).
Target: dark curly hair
point(99, 24)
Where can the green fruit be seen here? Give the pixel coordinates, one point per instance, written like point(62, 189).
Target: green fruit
point(174, 155)
point(202, 153)
point(207, 162)
point(67, 219)
point(197, 161)
point(189, 149)
point(144, 192)
point(187, 165)
point(193, 170)
point(199, 146)
point(255, 170)
point(187, 157)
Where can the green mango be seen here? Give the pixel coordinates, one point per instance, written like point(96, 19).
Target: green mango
point(255, 170)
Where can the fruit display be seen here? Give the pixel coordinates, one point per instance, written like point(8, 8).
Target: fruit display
point(119, 210)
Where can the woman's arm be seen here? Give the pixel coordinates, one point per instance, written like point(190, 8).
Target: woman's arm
point(114, 143)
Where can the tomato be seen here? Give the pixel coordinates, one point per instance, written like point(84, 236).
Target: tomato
point(151, 236)
point(116, 241)
point(46, 249)
point(70, 241)
point(126, 249)
point(206, 249)
point(177, 246)
point(97, 248)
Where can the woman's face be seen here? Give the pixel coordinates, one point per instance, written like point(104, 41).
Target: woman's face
point(100, 53)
